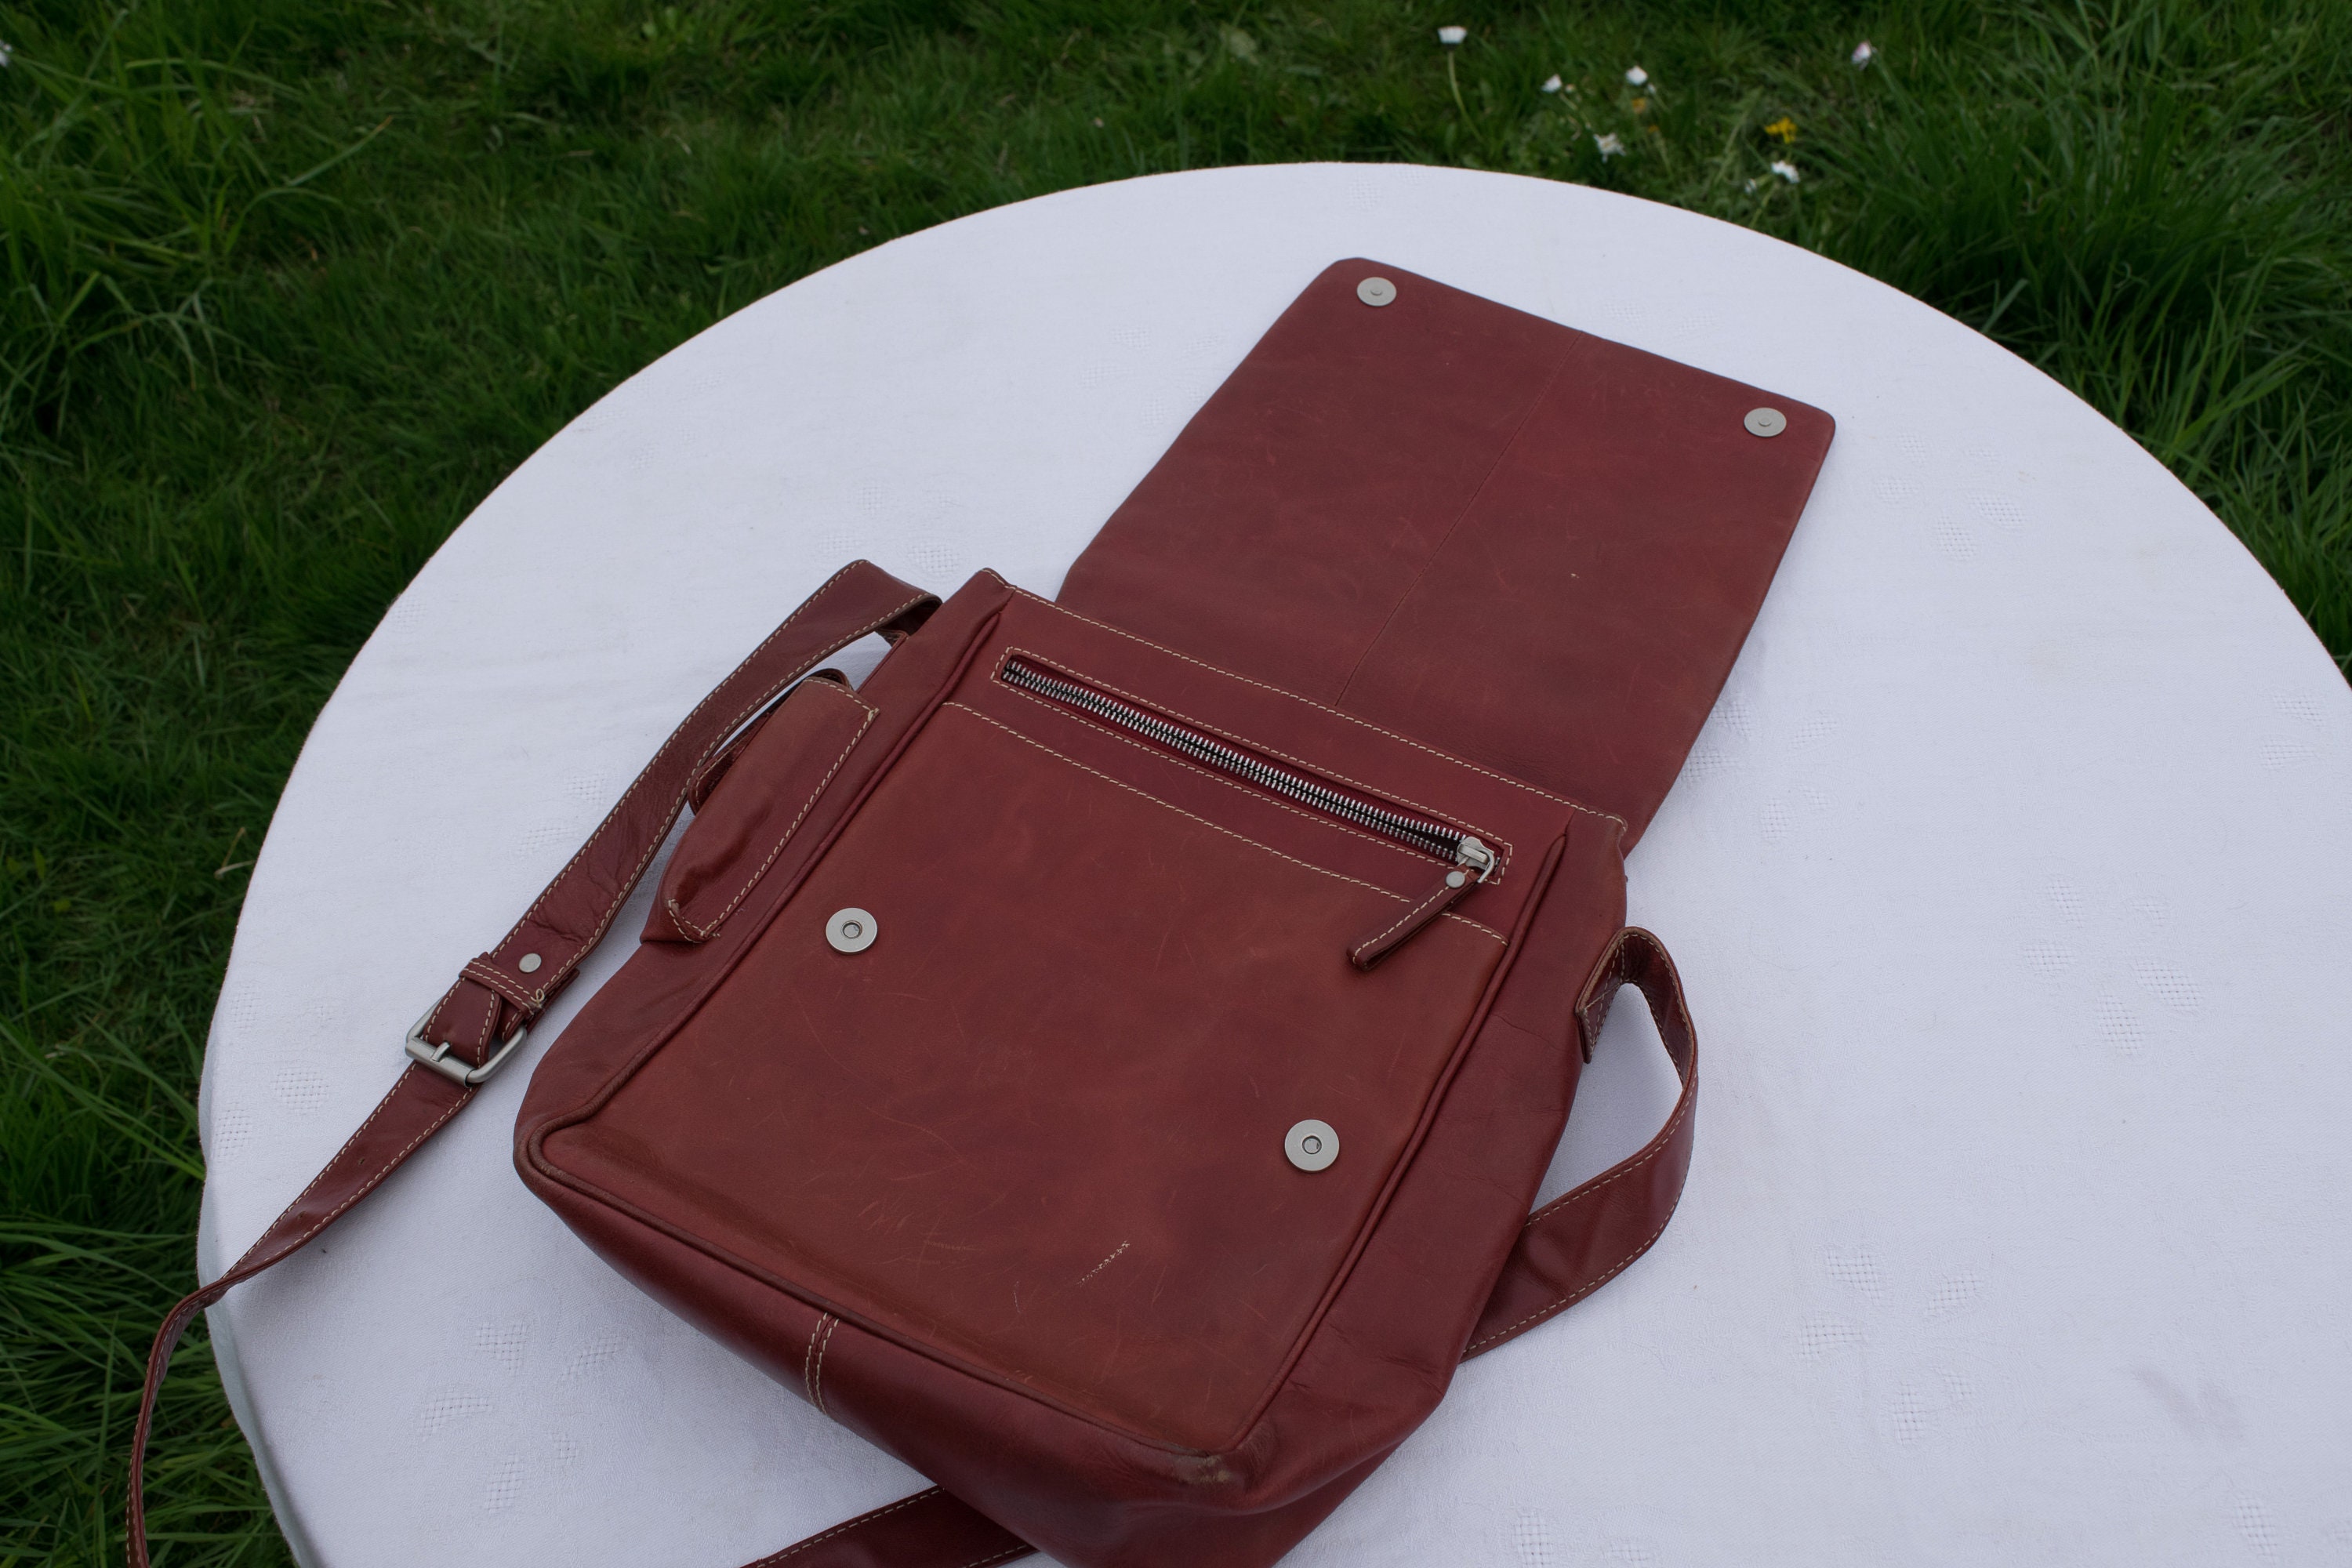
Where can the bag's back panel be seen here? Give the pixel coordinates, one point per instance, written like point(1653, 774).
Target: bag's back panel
point(1518, 542)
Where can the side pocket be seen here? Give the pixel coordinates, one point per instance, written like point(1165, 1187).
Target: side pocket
point(752, 811)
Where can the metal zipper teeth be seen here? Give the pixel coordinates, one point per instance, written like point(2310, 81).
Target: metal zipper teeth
point(1444, 842)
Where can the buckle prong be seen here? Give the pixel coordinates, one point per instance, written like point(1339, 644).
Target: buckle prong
point(456, 1069)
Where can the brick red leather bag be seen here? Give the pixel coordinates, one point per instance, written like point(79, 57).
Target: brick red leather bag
point(1107, 1058)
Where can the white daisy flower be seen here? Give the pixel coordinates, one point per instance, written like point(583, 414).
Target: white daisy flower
point(1786, 170)
point(1450, 37)
point(7, 53)
point(1609, 146)
point(1863, 54)
point(1551, 82)
point(1638, 77)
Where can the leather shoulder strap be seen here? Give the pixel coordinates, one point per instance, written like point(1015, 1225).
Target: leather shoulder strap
point(1582, 1240)
point(932, 1528)
point(484, 1016)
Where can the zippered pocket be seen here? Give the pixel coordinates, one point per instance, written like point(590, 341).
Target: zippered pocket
point(1467, 860)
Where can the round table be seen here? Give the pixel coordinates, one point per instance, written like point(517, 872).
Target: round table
point(2009, 878)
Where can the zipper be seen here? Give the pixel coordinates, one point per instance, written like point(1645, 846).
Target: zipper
point(1469, 860)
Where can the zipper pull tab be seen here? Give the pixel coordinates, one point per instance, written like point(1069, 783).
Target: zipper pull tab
point(1470, 856)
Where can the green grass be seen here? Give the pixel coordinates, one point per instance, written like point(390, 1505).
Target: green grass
point(289, 284)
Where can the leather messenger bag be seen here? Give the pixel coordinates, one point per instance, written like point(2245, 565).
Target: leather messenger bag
point(1107, 1058)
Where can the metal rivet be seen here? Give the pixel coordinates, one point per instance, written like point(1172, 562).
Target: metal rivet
point(1455, 878)
point(1765, 422)
point(1376, 290)
point(850, 930)
point(529, 963)
point(1311, 1146)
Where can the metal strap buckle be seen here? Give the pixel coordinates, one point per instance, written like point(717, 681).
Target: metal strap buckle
point(456, 1069)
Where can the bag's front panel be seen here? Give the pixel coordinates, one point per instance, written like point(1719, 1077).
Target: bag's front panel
point(1039, 1127)
point(1380, 1358)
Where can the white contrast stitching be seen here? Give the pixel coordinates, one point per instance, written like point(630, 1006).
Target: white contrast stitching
point(816, 1382)
point(653, 846)
point(808, 1356)
point(372, 1182)
point(1571, 1300)
point(702, 933)
point(1658, 1147)
point(663, 749)
point(655, 842)
point(1351, 717)
point(846, 1525)
point(1370, 943)
point(1204, 821)
point(1500, 842)
point(1078, 716)
point(487, 977)
point(1107, 1262)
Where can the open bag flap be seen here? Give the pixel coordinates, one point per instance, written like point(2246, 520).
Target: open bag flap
point(1529, 546)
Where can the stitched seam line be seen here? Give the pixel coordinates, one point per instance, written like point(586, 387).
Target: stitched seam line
point(1371, 942)
point(843, 1528)
point(725, 751)
point(817, 1383)
point(808, 1356)
point(654, 843)
point(1351, 717)
point(372, 1182)
point(564, 968)
point(1658, 1147)
point(1378, 793)
point(1569, 1301)
point(1107, 1262)
point(325, 1169)
point(663, 749)
point(1274, 800)
point(483, 974)
point(702, 933)
point(489, 1022)
point(1204, 821)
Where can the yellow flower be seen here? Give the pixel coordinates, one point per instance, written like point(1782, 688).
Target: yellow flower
point(1784, 128)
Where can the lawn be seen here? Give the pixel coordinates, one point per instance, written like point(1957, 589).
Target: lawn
point(290, 284)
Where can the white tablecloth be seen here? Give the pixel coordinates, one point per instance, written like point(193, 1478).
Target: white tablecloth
point(2010, 880)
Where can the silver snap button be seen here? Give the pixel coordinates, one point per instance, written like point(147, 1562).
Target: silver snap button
point(1311, 1146)
point(528, 964)
point(1765, 422)
point(1376, 290)
point(1455, 878)
point(850, 930)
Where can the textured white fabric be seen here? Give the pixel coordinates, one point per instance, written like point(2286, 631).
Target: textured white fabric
point(2009, 881)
